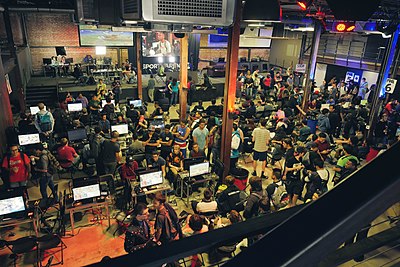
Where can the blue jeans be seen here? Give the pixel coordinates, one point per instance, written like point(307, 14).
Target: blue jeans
point(174, 98)
point(44, 181)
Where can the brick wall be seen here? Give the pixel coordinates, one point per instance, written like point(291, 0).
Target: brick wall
point(46, 31)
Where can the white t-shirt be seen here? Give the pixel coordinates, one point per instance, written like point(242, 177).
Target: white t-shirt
point(203, 207)
point(260, 135)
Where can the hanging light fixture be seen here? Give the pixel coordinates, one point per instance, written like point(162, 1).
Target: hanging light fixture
point(304, 4)
point(255, 11)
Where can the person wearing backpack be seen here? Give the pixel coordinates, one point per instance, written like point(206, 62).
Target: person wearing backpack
point(16, 168)
point(166, 225)
point(44, 121)
point(258, 202)
point(235, 145)
point(276, 191)
point(316, 181)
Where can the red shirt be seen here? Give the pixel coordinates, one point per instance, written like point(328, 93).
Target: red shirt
point(322, 147)
point(128, 172)
point(66, 153)
point(18, 169)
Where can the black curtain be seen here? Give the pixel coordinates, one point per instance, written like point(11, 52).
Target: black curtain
point(194, 50)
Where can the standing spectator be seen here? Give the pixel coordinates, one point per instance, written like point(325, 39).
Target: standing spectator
point(42, 165)
point(94, 105)
point(109, 109)
point(101, 88)
point(116, 89)
point(381, 130)
point(291, 176)
point(198, 108)
point(167, 226)
point(150, 87)
point(16, 168)
point(166, 141)
point(81, 98)
point(151, 142)
point(137, 236)
point(174, 89)
point(334, 121)
point(216, 142)
point(323, 121)
point(276, 191)
point(235, 145)
point(200, 135)
point(256, 203)
point(111, 153)
point(191, 87)
point(248, 84)
point(44, 121)
point(181, 133)
point(261, 137)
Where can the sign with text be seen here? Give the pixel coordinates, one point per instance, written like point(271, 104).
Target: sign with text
point(300, 68)
point(390, 85)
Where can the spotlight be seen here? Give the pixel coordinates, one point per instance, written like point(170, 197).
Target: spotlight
point(101, 50)
point(160, 60)
point(171, 59)
point(343, 26)
point(304, 4)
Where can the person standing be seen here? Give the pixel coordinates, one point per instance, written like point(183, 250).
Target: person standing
point(291, 176)
point(150, 87)
point(111, 153)
point(81, 98)
point(42, 168)
point(261, 137)
point(166, 141)
point(181, 133)
point(167, 226)
point(44, 121)
point(17, 168)
point(174, 89)
point(235, 145)
point(200, 135)
point(116, 89)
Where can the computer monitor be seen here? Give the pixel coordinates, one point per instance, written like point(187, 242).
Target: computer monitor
point(324, 106)
point(12, 205)
point(85, 192)
point(199, 169)
point(28, 139)
point(104, 102)
point(77, 135)
point(158, 124)
point(75, 107)
point(35, 109)
point(136, 103)
point(191, 161)
point(121, 128)
point(150, 179)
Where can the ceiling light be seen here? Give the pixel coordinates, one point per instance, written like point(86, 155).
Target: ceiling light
point(304, 4)
point(101, 50)
point(253, 12)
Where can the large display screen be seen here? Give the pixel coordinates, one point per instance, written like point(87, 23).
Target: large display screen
point(28, 139)
point(160, 44)
point(96, 37)
point(85, 192)
point(121, 128)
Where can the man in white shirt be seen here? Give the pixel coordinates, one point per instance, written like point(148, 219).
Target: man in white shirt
point(206, 205)
point(163, 46)
point(261, 137)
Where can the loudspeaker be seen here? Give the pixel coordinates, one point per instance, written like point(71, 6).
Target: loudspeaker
point(60, 51)
point(109, 12)
point(350, 10)
point(179, 35)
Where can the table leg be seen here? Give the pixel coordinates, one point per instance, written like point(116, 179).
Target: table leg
point(35, 228)
point(71, 216)
point(108, 215)
point(187, 194)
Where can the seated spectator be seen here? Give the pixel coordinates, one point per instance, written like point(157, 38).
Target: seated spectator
point(206, 205)
point(157, 110)
point(196, 152)
point(195, 224)
point(158, 162)
point(136, 147)
point(198, 108)
point(316, 181)
point(323, 145)
point(67, 154)
point(85, 117)
point(349, 168)
point(81, 98)
point(341, 163)
point(129, 168)
point(151, 142)
point(104, 124)
point(175, 164)
point(25, 125)
point(120, 119)
point(229, 197)
point(212, 108)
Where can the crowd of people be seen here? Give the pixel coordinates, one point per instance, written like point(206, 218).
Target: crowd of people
point(301, 148)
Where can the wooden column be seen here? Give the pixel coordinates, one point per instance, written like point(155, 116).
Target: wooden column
point(139, 64)
point(183, 76)
point(230, 87)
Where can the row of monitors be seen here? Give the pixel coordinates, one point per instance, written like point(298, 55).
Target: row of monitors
point(77, 107)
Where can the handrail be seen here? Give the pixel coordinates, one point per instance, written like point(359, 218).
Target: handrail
point(318, 229)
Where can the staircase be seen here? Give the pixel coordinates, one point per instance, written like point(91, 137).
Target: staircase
point(45, 94)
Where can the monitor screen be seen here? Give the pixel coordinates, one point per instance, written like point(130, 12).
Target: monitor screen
point(97, 37)
point(157, 124)
point(121, 128)
point(28, 139)
point(77, 135)
point(324, 106)
point(11, 205)
point(191, 161)
point(85, 192)
point(72, 107)
point(35, 109)
point(136, 103)
point(199, 169)
point(151, 178)
point(104, 102)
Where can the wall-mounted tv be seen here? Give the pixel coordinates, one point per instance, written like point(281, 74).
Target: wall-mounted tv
point(96, 37)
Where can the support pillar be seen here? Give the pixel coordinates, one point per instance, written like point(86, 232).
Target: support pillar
point(139, 64)
point(312, 63)
point(230, 87)
point(383, 75)
point(183, 76)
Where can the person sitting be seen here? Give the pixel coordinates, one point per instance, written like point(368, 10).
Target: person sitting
point(229, 196)
point(129, 168)
point(109, 109)
point(104, 124)
point(196, 152)
point(212, 108)
point(157, 110)
point(349, 168)
point(206, 205)
point(250, 111)
point(120, 119)
point(137, 236)
point(94, 105)
point(207, 83)
point(157, 162)
point(67, 154)
point(198, 108)
point(175, 163)
point(136, 147)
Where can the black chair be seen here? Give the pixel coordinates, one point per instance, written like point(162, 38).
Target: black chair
point(107, 183)
point(50, 241)
point(20, 246)
point(70, 168)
